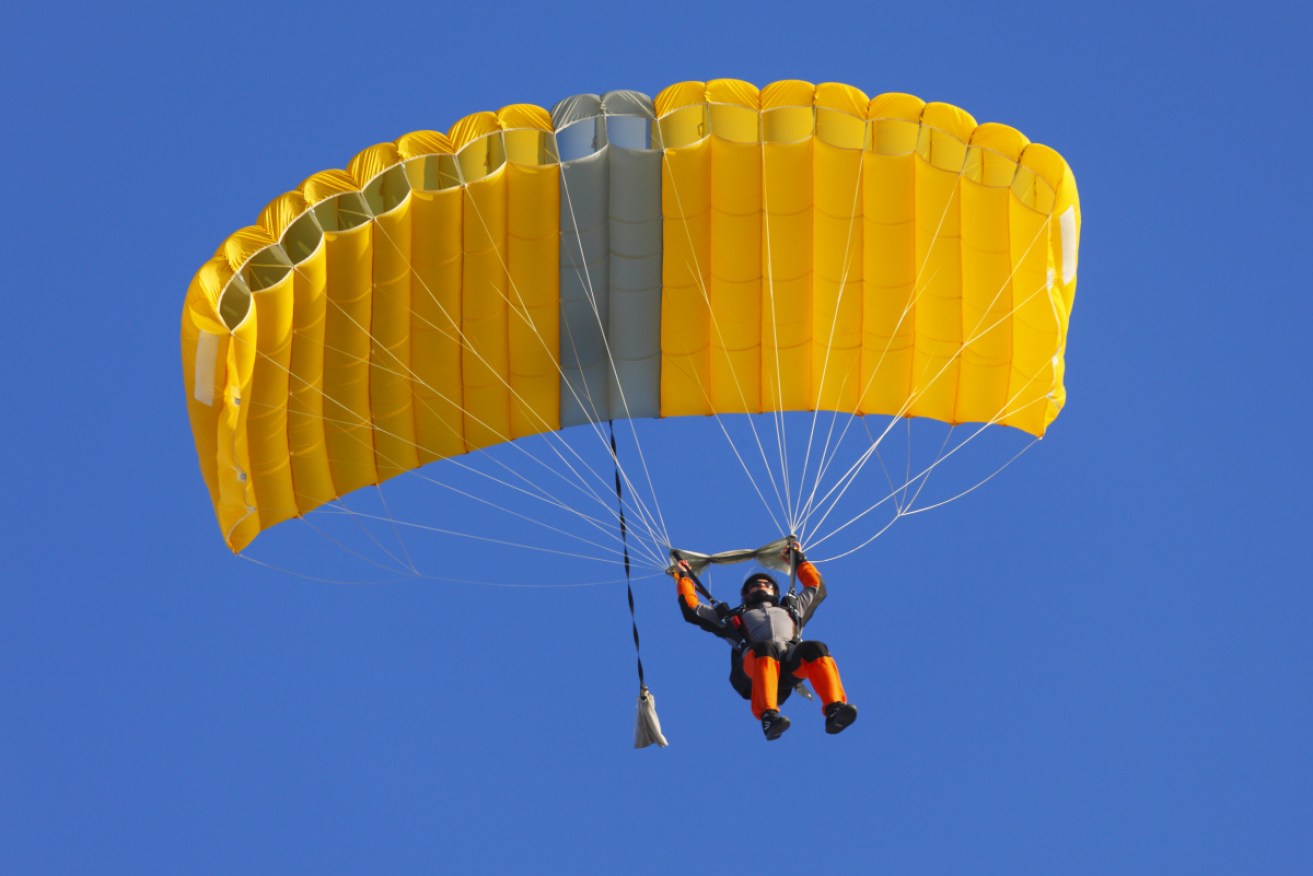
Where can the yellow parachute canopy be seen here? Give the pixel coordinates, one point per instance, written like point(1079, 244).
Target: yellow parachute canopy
point(721, 248)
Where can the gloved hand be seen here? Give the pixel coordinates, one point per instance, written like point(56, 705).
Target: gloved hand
point(796, 550)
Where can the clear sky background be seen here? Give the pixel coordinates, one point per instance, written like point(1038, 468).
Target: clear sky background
point(1099, 663)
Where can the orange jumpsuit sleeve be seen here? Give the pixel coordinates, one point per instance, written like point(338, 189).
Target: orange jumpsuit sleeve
point(809, 575)
point(688, 594)
point(813, 590)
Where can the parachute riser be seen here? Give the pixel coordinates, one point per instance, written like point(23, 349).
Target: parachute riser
point(793, 565)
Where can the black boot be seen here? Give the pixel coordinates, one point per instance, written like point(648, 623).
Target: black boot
point(838, 716)
point(773, 724)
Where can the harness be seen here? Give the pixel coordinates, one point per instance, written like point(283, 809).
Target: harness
point(733, 618)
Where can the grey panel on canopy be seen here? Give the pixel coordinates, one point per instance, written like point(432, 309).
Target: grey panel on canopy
point(610, 258)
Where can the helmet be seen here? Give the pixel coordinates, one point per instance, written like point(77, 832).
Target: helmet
point(753, 594)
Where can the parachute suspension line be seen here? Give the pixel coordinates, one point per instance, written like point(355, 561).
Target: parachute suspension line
point(919, 289)
point(466, 344)
point(438, 530)
point(829, 452)
point(846, 480)
point(920, 284)
point(715, 324)
point(649, 523)
point(852, 472)
point(770, 512)
point(540, 495)
point(585, 277)
point(925, 479)
point(907, 464)
point(908, 512)
point(894, 489)
point(925, 473)
point(283, 570)
point(351, 552)
point(340, 508)
point(995, 473)
point(660, 533)
point(589, 520)
point(777, 415)
point(729, 439)
point(343, 509)
point(793, 570)
point(251, 508)
point(415, 378)
point(552, 438)
point(977, 333)
point(590, 410)
point(907, 460)
point(795, 521)
point(405, 552)
point(828, 457)
point(594, 424)
point(850, 477)
point(337, 507)
point(522, 313)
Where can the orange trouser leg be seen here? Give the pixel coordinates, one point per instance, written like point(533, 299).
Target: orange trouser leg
point(824, 676)
point(765, 675)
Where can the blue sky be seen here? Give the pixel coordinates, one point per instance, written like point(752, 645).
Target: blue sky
point(1099, 663)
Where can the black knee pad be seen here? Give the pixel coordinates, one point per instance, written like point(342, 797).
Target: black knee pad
point(806, 652)
point(813, 650)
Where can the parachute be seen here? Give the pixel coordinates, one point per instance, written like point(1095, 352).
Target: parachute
point(720, 249)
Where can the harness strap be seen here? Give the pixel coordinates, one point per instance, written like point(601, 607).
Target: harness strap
point(793, 564)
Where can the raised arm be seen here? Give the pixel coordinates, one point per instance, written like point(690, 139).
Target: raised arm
point(693, 609)
point(813, 586)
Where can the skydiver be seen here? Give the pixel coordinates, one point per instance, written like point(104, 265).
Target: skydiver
point(770, 657)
